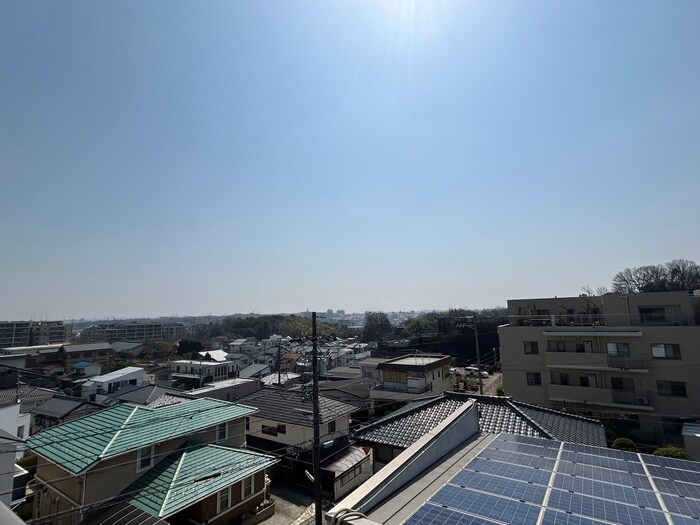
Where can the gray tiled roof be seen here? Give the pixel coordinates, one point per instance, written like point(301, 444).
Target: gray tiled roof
point(565, 427)
point(151, 395)
point(88, 347)
point(294, 407)
point(496, 414)
point(58, 406)
point(27, 394)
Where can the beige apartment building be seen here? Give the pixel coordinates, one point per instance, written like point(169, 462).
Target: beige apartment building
point(631, 357)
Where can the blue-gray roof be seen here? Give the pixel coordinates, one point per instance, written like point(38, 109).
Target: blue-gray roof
point(496, 414)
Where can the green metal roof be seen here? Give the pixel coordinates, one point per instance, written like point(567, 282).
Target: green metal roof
point(192, 474)
point(78, 445)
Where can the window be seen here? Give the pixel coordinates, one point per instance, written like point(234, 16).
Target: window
point(665, 351)
point(282, 429)
point(619, 349)
point(625, 384)
point(653, 315)
point(393, 376)
point(564, 379)
point(221, 431)
point(671, 388)
point(20, 431)
point(583, 381)
point(270, 431)
point(561, 346)
point(534, 378)
point(247, 423)
point(144, 458)
point(531, 347)
point(248, 487)
point(223, 498)
point(583, 347)
point(331, 427)
point(672, 427)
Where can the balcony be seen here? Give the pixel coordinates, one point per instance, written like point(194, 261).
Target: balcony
point(599, 396)
point(394, 392)
point(593, 361)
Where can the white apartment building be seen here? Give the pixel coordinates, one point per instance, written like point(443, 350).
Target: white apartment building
point(630, 357)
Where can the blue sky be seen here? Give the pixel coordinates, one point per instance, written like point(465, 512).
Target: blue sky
point(179, 157)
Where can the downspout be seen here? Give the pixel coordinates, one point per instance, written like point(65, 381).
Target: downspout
point(82, 496)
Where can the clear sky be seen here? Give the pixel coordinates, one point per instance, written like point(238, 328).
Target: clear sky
point(216, 157)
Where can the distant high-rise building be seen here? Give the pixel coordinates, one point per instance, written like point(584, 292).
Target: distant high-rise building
point(31, 333)
point(133, 331)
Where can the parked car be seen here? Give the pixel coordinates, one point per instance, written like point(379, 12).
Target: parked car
point(472, 371)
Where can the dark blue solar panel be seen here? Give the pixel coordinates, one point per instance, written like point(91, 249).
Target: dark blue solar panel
point(600, 461)
point(681, 464)
point(487, 505)
point(524, 448)
point(598, 451)
point(517, 472)
point(677, 488)
point(604, 510)
point(684, 506)
point(684, 520)
point(602, 474)
point(553, 517)
point(674, 474)
point(509, 488)
point(540, 442)
point(430, 514)
point(518, 459)
point(610, 491)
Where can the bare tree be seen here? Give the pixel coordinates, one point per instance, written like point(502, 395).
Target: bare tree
point(683, 275)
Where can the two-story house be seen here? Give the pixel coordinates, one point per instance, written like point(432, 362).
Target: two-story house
point(284, 425)
point(406, 377)
point(182, 462)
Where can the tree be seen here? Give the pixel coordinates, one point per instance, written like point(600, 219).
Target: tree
point(376, 327)
point(683, 275)
point(672, 451)
point(676, 275)
point(625, 444)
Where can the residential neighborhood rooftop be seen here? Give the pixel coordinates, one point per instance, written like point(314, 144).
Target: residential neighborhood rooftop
point(58, 406)
point(26, 394)
point(79, 444)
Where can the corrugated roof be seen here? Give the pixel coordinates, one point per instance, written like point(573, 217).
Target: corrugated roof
point(122, 514)
point(58, 406)
point(252, 370)
point(192, 474)
point(496, 414)
point(89, 347)
point(288, 406)
point(78, 445)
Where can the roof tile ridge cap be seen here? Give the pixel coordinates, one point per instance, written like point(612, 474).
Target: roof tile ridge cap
point(532, 422)
point(172, 482)
point(393, 416)
point(103, 454)
point(560, 413)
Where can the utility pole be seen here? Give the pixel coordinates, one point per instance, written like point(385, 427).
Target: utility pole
point(478, 358)
point(317, 424)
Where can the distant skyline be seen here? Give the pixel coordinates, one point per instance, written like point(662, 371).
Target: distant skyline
point(282, 156)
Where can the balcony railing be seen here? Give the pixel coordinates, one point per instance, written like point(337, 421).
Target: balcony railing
point(595, 396)
point(403, 389)
point(600, 360)
point(558, 320)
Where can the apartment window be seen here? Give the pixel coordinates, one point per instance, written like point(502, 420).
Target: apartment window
point(619, 349)
point(393, 376)
point(625, 384)
point(653, 314)
point(331, 427)
point(583, 381)
point(248, 487)
point(144, 458)
point(665, 351)
point(247, 423)
point(560, 346)
point(531, 347)
point(671, 388)
point(221, 431)
point(534, 378)
point(564, 379)
point(583, 347)
point(270, 431)
point(20, 431)
point(223, 498)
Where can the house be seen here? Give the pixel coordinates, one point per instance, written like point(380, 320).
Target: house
point(288, 379)
point(369, 366)
point(228, 389)
point(284, 422)
point(257, 370)
point(100, 353)
point(181, 462)
point(394, 433)
point(484, 478)
point(16, 405)
point(98, 387)
point(130, 348)
point(404, 378)
point(60, 409)
point(620, 356)
point(194, 373)
point(87, 369)
point(148, 395)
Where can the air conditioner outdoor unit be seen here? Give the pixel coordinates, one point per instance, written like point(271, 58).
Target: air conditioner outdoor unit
point(642, 400)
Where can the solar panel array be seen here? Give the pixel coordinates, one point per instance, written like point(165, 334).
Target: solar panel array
point(533, 481)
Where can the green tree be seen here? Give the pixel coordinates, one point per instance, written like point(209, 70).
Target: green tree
point(376, 327)
point(672, 451)
point(625, 444)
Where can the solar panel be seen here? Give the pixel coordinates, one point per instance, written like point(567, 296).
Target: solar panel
point(500, 486)
point(598, 451)
point(518, 459)
point(674, 474)
point(684, 506)
point(430, 514)
point(553, 517)
point(677, 488)
point(680, 464)
point(487, 505)
point(604, 510)
point(516, 472)
point(524, 448)
point(601, 461)
point(609, 491)
point(603, 474)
